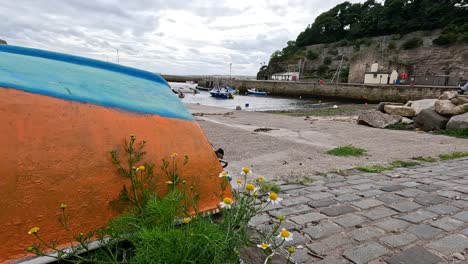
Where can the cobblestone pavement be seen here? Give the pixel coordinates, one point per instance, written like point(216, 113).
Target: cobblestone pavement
point(414, 215)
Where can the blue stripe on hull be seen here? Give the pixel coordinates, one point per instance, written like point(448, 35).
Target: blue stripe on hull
point(88, 81)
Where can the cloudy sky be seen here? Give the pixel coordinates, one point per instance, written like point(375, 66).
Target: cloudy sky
point(165, 36)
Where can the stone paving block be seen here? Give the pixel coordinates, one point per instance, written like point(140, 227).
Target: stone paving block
point(321, 203)
point(336, 184)
point(391, 224)
point(428, 188)
point(442, 209)
point(343, 190)
point(347, 197)
point(462, 216)
point(370, 193)
point(414, 255)
point(410, 184)
point(462, 189)
point(429, 199)
point(459, 203)
point(392, 188)
point(287, 187)
point(365, 252)
point(301, 255)
point(323, 229)
point(424, 231)
point(363, 187)
point(365, 233)
point(315, 188)
point(449, 244)
point(410, 192)
point(301, 208)
point(390, 198)
point(337, 210)
point(350, 220)
point(307, 218)
point(267, 227)
point(367, 203)
point(320, 195)
point(294, 200)
point(298, 239)
point(328, 244)
point(418, 216)
point(359, 181)
point(404, 207)
point(297, 192)
point(259, 219)
point(449, 194)
point(384, 183)
point(398, 240)
point(378, 213)
point(448, 224)
point(465, 232)
point(331, 260)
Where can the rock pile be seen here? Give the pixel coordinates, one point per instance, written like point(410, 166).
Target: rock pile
point(450, 111)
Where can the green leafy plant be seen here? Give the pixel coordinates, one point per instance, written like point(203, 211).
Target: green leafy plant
point(412, 43)
point(347, 151)
point(403, 163)
point(312, 55)
point(453, 155)
point(458, 133)
point(373, 169)
point(425, 159)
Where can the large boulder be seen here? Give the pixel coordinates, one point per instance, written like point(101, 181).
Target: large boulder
point(429, 120)
point(458, 122)
point(460, 99)
point(447, 95)
point(2, 42)
point(377, 119)
point(381, 105)
point(399, 110)
point(420, 105)
point(447, 108)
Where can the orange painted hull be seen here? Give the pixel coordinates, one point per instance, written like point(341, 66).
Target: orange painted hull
point(56, 151)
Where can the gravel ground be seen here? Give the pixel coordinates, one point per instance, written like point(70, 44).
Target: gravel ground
point(296, 146)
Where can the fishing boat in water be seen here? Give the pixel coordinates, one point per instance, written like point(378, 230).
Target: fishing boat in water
point(223, 92)
point(254, 91)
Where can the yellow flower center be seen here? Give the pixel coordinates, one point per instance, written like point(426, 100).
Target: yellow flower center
point(186, 220)
point(169, 182)
point(33, 230)
point(249, 187)
point(227, 200)
point(284, 233)
point(273, 196)
point(63, 206)
point(141, 167)
point(265, 245)
point(246, 169)
point(260, 178)
point(174, 154)
point(255, 194)
point(239, 181)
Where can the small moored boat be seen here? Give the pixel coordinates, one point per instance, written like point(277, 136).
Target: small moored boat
point(254, 91)
point(223, 92)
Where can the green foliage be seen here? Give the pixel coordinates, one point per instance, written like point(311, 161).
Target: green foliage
point(322, 70)
point(327, 61)
point(347, 151)
point(446, 39)
point(312, 55)
point(392, 45)
point(465, 37)
point(458, 133)
point(333, 51)
point(396, 37)
point(453, 155)
point(404, 163)
point(372, 169)
point(266, 186)
point(425, 159)
point(398, 126)
point(412, 43)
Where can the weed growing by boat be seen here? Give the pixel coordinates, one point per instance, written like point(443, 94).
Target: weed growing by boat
point(169, 228)
point(347, 151)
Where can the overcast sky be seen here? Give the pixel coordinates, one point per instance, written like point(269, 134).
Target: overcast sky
point(164, 36)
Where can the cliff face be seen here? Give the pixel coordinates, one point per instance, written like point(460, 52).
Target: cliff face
point(427, 63)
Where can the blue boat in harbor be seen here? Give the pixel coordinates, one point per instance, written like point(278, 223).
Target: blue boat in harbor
point(254, 91)
point(223, 92)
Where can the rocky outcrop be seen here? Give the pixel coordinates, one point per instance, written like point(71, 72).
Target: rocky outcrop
point(3, 42)
point(429, 120)
point(447, 108)
point(458, 122)
point(420, 105)
point(399, 110)
point(459, 100)
point(377, 119)
point(382, 105)
point(447, 95)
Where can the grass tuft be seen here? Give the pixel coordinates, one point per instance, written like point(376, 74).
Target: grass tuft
point(347, 151)
point(404, 163)
point(425, 159)
point(453, 155)
point(399, 126)
point(267, 186)
point(458, 133)
point(373, 169)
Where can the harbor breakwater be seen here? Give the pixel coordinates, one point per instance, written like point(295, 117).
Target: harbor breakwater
point(359, 92)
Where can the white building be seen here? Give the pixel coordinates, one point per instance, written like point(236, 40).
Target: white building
point(378, 76)
point(286, 76)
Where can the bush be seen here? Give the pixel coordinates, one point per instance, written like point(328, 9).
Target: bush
point(333, 51)
point(465, 37)
point(312, 55)
point(412, 43)
point(391, 45)
point(327, 61)
point(446, 39)
point(396, 37)
point(347, 151)
point(322, 69)
point(342, 43)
